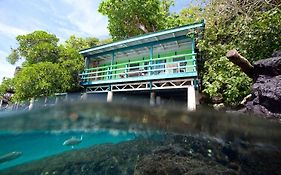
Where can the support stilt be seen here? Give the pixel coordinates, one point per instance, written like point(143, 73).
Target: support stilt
point(109, 96)
point(152, 98)
point(158, 100)
point(31, 104)
point(84, 96)
point(191, 99)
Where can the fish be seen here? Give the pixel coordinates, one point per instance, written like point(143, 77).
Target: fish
point(72, 141)
point(10, 156)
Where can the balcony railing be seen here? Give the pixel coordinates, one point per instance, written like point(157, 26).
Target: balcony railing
point(164, 67)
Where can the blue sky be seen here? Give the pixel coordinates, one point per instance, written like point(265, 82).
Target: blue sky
point(60, 17)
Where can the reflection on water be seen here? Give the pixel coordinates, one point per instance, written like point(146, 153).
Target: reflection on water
point(99, 138)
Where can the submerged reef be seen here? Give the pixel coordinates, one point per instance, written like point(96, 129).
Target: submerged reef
point(171, 154)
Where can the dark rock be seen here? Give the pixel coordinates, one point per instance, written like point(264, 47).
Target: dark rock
point(117, 159)
point(170, 164)
point(185, 155)
point(266, 90)
point(277, 53)
point(174, 154)
point(270, 67)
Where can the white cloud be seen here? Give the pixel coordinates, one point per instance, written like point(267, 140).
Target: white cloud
point(6, 69)
point(85, 16)
point(11, 31)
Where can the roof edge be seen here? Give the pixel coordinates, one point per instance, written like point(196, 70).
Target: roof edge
point(151, 34)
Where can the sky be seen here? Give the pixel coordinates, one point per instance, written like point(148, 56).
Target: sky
point(60, 17)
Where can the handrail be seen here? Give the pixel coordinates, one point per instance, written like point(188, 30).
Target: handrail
point(141, 70)
point(135, 67)
point(134, 62)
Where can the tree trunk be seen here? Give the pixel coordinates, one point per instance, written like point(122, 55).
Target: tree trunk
point(242, 62)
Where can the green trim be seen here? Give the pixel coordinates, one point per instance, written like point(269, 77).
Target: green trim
point(183, 64)
point(139, 79)
point(140, 61)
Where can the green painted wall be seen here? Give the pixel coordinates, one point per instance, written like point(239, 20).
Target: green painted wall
point(141, 61)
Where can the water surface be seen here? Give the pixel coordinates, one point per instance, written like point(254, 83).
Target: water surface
point(137, 139)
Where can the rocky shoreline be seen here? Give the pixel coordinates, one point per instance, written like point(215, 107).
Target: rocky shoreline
point(265, 99)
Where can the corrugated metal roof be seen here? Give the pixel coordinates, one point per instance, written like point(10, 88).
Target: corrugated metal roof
point(130, 45)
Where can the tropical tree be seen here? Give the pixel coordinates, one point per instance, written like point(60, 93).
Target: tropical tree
point(80, 43)
point(38, 46)
point(134, 17)
point(41, 80)
point(49, 68)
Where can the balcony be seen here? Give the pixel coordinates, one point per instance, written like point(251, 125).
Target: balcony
point(172, 67)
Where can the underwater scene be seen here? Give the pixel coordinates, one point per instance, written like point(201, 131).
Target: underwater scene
point(132, 139)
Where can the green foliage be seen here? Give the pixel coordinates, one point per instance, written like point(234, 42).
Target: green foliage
point(263, 35)
point(41, 79)
point(191, 15)
point(80, 43)
point(223, 77)
point(251, 28)
point(38, 46)
point(134, 17)
point(49, 68)
point(6, 85)
point(105, 41)
point(13, 57)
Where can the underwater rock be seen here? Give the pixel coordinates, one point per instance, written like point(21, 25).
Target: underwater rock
point(115, 159)
point(169, 154)
point(170, 164)
point(182, 159)
point(197, 155)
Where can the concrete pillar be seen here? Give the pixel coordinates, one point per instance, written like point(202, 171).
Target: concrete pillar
point(31, 104)
point(191, 98)
point(197, 97)
point(46, 101)
point(84, 96)
point(16, 106)
point(109, 96)
point(66, 98)
point(57, 100)
point(152, 98)
point(158, 100)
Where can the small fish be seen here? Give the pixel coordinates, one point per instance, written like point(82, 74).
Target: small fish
point(10, 156)
point(72, 141)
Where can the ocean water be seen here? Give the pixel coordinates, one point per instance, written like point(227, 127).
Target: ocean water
point(136, 140)
point(38, 144)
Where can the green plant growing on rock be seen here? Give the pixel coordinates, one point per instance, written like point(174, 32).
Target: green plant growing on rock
point(251, 28)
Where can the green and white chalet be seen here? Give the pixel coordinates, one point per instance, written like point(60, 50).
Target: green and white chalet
point(152, 62)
